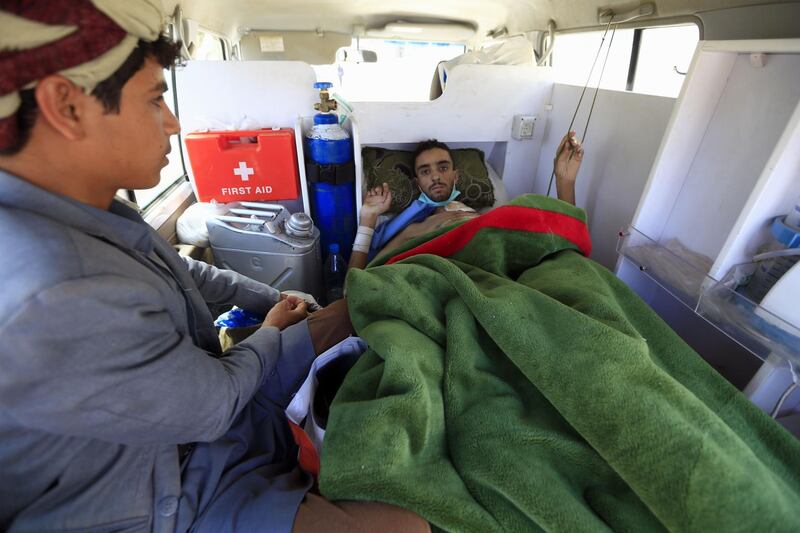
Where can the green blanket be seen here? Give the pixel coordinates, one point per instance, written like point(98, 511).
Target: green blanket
point(515, 385)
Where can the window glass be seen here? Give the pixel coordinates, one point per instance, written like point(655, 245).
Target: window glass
point(403, 71)
point(663, 53)
point(174, 170)
point(208, 47)
point(574, 53)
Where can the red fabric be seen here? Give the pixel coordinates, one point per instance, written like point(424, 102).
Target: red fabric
point(96, 34)
point(511, 217)
point(307, 456)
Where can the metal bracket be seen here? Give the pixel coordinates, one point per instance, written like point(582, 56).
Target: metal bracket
point(604, 16)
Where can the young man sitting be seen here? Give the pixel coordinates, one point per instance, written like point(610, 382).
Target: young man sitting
point(118, 408)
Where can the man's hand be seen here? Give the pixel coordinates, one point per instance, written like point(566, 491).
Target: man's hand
point(286, 312)
point(311, 306)
point(568, 158)
point(376, 202)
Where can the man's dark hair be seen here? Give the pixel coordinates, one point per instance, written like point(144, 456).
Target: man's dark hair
point(108, 91)
point(430, 144)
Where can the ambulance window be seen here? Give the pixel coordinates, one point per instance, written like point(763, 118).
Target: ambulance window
point(402, 73)
point(174, 171)
point(574, 53)
point(208, 47)
point(664, 57)
point(645, 60)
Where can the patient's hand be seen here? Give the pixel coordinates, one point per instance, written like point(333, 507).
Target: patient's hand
point(566, 165)
point(376, 203)
point(286, 312)
point(568, 158)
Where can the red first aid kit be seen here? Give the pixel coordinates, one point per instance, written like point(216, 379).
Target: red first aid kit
point(230, 166)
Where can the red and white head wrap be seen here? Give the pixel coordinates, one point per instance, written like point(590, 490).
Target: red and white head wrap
point(85, 41)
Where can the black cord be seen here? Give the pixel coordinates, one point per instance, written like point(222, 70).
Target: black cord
point(597, 89)
point(583, 92)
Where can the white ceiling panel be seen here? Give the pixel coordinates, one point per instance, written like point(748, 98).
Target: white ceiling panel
point(233, 17)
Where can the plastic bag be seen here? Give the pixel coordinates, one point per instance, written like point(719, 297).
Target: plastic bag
point(516, 50)
point(191, 225)
point(238, 318)
point(227, 123)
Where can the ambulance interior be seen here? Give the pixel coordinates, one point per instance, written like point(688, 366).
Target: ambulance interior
point(692, 138)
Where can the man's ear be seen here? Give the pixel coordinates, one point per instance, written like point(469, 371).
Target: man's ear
point(416, 182)
point(458, 176)
point(62, 105)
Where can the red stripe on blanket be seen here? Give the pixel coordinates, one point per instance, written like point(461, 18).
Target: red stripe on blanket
point(307, 455)
point(510, 217)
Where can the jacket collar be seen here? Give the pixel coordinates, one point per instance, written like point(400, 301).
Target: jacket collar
point(119, 224)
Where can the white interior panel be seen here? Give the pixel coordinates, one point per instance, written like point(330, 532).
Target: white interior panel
point(478, 105)
point(621, 144)
point(749, 120)
point(476, 109)
point(696, 104)
point(216, 94)
point(222, 95)
point(775, 195)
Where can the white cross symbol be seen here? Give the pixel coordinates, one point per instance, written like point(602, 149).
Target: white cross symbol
point(244, 171)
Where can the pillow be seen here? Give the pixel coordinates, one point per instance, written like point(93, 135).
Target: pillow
point(396, 168)
point(393, 167)
point(500, 194)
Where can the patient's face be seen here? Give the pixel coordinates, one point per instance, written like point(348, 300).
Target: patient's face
point(436, 175)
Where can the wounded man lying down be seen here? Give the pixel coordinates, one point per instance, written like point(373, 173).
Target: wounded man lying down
point(512, 384)
point(437, 178)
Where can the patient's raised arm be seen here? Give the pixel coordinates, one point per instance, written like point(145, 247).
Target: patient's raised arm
point(376, 202)
point(566, 164)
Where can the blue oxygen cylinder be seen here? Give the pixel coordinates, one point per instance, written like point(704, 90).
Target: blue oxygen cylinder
point(328, 142)
point(332, 202)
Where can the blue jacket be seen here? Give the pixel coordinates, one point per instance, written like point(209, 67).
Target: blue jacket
point(109, 360)
point(416, 212)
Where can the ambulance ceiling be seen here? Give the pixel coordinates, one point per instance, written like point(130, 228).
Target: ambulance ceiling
point(236, 17)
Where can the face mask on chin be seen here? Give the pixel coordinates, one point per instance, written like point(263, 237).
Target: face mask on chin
point(426, 200)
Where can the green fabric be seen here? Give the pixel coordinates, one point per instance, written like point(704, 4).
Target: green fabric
point(519, 386)
point(396, 168)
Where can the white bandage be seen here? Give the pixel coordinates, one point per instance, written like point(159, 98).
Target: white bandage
point(363, 239)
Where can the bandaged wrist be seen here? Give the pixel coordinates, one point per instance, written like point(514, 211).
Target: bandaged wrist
point(363, 239)
point(366, 230)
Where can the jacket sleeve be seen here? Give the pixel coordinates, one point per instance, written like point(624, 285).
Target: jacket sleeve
point(101, 357)
point(226, 287)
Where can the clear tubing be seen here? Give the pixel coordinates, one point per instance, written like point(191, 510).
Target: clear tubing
point(786, 252)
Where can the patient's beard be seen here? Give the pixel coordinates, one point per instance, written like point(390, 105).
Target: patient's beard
point(425, 199)
point(441, 195)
